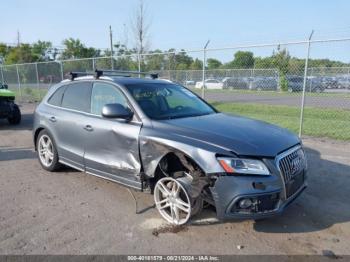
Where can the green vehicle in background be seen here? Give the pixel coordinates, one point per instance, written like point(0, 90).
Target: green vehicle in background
point(8, 108)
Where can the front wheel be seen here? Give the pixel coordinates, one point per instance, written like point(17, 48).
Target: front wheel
point(172, 201)
point(47, 153)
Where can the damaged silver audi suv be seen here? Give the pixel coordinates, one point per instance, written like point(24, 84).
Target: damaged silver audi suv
point(159, 137)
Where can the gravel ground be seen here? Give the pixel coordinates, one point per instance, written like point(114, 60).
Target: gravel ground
point(70, 212)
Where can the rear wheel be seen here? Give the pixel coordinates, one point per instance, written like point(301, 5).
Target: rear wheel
point(15, 119)
point(47, 152)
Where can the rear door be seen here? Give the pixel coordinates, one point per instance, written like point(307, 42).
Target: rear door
point(111, 148)
point(69, 122)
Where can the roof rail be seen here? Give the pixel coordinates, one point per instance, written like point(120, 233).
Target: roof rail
point(73, 75)
point(98, 73)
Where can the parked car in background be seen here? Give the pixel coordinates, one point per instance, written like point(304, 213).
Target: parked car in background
point(330, 83)
point(190, 83)
point(264, 83)
point(210, 84)
point(344, 82)
point(313, 84)
point(236, 83)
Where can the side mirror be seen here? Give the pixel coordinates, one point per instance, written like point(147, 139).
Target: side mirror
point(117, 111)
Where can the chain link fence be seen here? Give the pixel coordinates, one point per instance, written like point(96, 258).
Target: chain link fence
point(303, 86)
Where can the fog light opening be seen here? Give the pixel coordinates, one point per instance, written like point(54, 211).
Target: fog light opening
point(245, 203)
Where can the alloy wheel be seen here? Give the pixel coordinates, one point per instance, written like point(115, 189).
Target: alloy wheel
point(45, 150)
point(172, 201)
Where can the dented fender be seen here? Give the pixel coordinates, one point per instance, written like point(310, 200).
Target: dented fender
point(155, 144)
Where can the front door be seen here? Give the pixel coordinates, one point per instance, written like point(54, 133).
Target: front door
point(111, 148)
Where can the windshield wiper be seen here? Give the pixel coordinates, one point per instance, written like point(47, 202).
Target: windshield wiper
point(184, 116)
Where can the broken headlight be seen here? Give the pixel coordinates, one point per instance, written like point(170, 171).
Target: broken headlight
point(243, 166)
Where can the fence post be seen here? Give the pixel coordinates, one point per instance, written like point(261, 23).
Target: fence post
point(203, 73)
point(61, 68)
point(2, 75)
point(304, 85)
point(37, 75)
point(277, 72)
point(19, 83)
point(93, 64)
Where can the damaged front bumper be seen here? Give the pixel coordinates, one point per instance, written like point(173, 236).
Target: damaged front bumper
point(255, 197)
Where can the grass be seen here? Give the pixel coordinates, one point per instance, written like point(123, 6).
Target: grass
point(318, 122)
point(271, 92)
point(30, 94)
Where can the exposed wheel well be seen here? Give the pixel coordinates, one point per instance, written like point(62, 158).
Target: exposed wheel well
point(173, 164)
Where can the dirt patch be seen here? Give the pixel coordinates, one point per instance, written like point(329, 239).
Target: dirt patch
point(169, 229)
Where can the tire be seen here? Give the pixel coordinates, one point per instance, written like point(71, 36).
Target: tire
point(15, 119)
point(197, 206)
point(52, 163)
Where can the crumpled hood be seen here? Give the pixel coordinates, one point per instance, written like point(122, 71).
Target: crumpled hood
point(242, 136)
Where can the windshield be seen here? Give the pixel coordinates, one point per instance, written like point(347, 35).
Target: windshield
point(168, 101)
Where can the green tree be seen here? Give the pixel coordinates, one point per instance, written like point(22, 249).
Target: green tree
point(213, 63)
point(196, 64)
point(20, 54)
point(4, 50)
point(264, 62)
point(154, 61)
point(281, 59)
point(242, 59)
point(182, 60)
point(74, 48)
point(40, 49)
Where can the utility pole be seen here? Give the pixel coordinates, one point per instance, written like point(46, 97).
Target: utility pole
point(18, 38)
point(111, 41)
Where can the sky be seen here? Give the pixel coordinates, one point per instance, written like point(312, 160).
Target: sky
point(183, 24)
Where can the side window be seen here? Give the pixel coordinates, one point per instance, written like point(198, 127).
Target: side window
point(56, 98)
point(77, 96)
point(105, 94)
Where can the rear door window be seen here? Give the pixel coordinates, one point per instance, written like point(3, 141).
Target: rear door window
point(56, 98)
point(77, 96)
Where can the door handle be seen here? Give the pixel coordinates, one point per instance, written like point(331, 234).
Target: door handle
point(88, 128)
point(52, 119)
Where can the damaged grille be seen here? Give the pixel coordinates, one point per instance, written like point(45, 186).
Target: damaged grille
point(291, 165)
